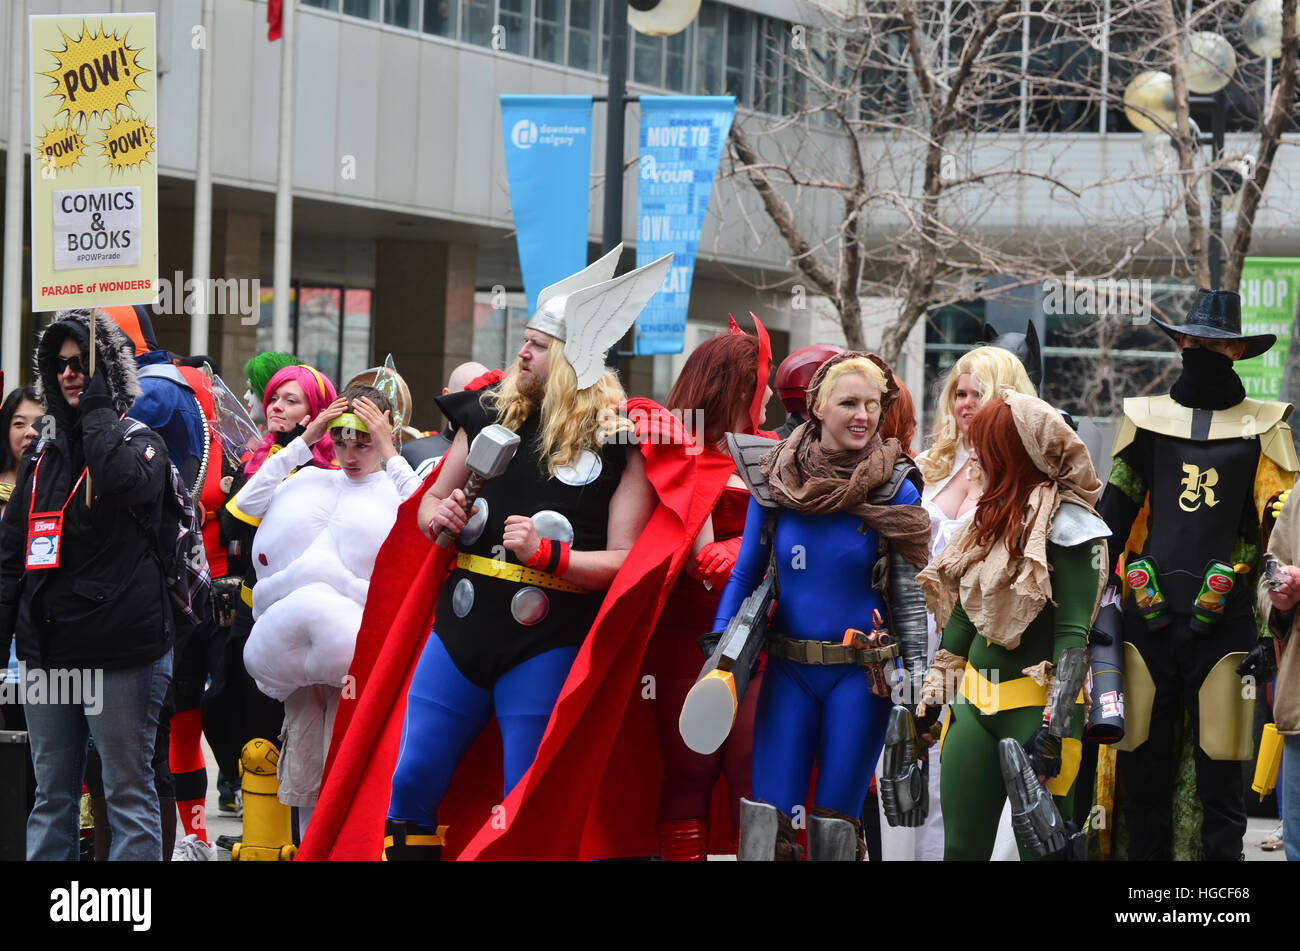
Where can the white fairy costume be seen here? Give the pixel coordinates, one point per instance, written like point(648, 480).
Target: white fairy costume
point(313, 553)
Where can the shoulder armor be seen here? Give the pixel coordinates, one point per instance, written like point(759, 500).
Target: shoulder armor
point(1074, 525)
point(1262, 419)
point(165, 371)
point(746, 451)
point(905, 470)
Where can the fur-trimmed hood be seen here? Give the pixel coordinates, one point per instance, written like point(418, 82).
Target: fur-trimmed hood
point(113, 350)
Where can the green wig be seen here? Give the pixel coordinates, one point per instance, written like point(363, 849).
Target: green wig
point(259, 370)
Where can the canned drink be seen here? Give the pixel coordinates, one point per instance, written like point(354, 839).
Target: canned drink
point(1142, 577)
point(1216, 584)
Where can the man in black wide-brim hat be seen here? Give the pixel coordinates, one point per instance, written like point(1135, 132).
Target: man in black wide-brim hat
point(1206, 462)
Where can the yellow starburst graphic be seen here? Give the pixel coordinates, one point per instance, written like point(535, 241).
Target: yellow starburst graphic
point(127, 142)
point(60, 148)
point(95, 74)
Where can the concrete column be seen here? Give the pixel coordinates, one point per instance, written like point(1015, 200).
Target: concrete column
point(236, 256)
point(422, 313)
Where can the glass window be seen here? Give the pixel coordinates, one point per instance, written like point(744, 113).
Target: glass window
point(795, 83)
point(548, 31)
point(584, 17)
point(515, 16)
point(366, 9)
point(476, 21)
point(322, 4)
point(440, 17)
point(708, 49)
point(648, 60)
point(993, 99)
point(740, 55)
point(356, 334)
point(317, 328)
point(767, 64)
point(402, 13)
point(676, 52)
point(1064, 71)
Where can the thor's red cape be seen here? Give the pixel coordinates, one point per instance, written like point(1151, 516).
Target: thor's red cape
point(546, 815)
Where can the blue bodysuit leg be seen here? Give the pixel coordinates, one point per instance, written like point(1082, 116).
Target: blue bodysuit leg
point(444, 714)
point(525, 696)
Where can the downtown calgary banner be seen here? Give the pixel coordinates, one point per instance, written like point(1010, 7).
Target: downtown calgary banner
point(548, 164)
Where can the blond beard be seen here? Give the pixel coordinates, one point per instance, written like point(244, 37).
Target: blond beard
point(531, 387)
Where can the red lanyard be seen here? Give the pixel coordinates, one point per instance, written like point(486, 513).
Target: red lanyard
point(37, 471)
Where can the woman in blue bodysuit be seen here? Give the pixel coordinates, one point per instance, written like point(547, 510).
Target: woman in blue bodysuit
point(840, 490)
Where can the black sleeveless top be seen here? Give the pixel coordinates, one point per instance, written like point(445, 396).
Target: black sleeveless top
point(474, 619)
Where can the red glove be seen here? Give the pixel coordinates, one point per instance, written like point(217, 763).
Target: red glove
point(714, 562)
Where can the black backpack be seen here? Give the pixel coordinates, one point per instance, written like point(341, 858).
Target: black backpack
point(179, 547)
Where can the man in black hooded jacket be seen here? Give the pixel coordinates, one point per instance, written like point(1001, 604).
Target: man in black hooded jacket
point(86, 592)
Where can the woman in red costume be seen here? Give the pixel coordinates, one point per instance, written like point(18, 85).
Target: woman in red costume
point(723, 388)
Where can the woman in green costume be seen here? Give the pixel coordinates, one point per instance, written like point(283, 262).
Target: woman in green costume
point(1015, 593)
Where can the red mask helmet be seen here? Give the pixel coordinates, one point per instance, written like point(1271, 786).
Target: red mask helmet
point(796, 372)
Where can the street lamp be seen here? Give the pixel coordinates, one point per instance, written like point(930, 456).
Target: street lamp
point(1209, 62)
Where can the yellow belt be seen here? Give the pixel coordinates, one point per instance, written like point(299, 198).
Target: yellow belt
point(517, 573)
point(989, 697)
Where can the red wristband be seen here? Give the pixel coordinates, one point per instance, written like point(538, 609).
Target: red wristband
point(563, 566)
point(542, 555)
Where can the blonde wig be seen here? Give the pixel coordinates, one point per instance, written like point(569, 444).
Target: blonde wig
point(991, 368)
point(572, 419)
point(854, 364)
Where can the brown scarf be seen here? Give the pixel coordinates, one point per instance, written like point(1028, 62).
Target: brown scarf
point(806, 478)
point(1003, 593)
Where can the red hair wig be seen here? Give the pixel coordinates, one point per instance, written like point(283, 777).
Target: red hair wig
point(719, 378)
point(1009, 476)
point(899, 421)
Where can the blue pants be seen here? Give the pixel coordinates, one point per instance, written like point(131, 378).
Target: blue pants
point(121, 712)
point(824, 713)
point(1288, 791)
point(445, 713)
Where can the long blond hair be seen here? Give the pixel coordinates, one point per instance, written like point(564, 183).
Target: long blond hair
point(572, 419)
point(992, 368)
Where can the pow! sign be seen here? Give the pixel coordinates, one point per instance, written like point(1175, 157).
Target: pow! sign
point(94, 162)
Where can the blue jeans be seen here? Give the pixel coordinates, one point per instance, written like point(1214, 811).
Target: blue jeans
point(1288, 787)
point(119, 708)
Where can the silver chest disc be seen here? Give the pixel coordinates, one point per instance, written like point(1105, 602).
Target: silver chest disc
point(462, 597)
point(529, 606)
point(477, 522)
point(584, 471)
point(551, 524)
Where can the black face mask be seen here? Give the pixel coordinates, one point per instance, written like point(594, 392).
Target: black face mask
point(1208, 381)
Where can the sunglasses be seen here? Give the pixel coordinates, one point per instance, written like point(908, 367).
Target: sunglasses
point(74, 361)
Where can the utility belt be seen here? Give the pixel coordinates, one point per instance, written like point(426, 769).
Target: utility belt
point(827, 652)
point(516, 573)
point(1218, 580)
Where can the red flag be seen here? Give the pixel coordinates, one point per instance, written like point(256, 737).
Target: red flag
point(274, 10)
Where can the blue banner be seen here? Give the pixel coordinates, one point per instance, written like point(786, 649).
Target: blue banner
point(548, 164)
point(681, 142)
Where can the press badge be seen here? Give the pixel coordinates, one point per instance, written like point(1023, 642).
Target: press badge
point(43, 532)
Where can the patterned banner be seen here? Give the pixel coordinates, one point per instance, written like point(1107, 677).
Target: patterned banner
point(681, 142)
